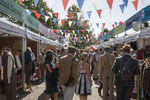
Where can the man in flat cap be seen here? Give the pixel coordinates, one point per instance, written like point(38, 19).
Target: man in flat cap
point(105, 74)
point(68, 66)
point(125, 68)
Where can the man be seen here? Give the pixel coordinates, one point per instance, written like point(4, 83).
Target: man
point(9, 75)
point(95, 58)
point(105, 63)
point(41, 59)
point(125, 68)
point(68, 66)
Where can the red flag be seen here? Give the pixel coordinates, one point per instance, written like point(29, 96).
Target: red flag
point(92, 47)
point(57, 15)
point(70, 16)
point(20, 1)
point(53, 30)
point(135, 3)
point(68, 31)
point(113, 25)
point(62, 22)
point(56, 30)
point(99, 12)
point(65, 3)
point(83, 31)
point(103, 25)
point(110, 2)
point(37, 14)
point(84, 24)
point(121, 23)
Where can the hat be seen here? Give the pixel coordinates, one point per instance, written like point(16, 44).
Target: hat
point(72, 49)
point(107, 48)
point(126, 47)
point(49, 53)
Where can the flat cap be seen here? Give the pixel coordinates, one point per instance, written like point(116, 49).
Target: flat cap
point(72, 49)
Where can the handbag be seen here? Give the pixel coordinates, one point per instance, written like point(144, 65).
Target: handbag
point(71, 79)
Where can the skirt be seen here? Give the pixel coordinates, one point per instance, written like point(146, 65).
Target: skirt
point(83, 86)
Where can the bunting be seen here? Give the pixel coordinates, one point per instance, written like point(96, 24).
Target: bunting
point(36, 2)
point(83, 31)
point(135, 3)
point(80, 3)
point(57, 15)
point(37, 14)
point(113, 25)
point(125, 2)
point(29, 12)
point(20, 1)
point(78, 23)
point(46, 18)
point(70, 16)
point(62, 22)
point(97, 25)
point(65, 3)
point(70, 22)
point(42, 13)
point(122, 7)
point(110, 3)
point(99, 12)
point(54, 20)
point(89, 14)
point(84, 24)
point(103, 25)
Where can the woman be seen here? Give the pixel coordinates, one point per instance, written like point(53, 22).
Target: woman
point(83, 87)
point(51, 77)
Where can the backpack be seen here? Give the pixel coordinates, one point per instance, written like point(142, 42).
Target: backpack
point(125, 73)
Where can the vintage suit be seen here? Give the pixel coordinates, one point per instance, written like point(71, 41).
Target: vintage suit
point(105, 63)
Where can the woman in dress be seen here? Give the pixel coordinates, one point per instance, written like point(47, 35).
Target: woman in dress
point(51, 77)
point(83, 87)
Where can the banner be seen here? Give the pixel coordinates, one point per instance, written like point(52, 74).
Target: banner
point(119, 29)
point(146, 14)
point(111, 33)
point(134, 18)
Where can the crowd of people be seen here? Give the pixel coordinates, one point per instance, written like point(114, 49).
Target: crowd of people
point(72, 71)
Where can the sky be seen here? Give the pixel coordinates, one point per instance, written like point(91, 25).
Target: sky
point(107, 16)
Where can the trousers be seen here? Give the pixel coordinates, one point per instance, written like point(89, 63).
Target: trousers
point(95, 74)
point(42, 71)
point(108, 84)
point(124, 91)
point(68, 92)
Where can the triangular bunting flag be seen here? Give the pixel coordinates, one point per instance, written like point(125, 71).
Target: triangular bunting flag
point(97, 25)
point(80, 3)
point(68, 31)
point(20, 1)
point(103, 25)
point(70, 22)
point(78, 31)
point(84, 24)
point(62, 22)
point(121, 23)
point(125, 2)
point(42, 13)
point(36, 2)
point(46, 18)
point(70, 15)
point(83, 31)
point(57, 15)
point(29, 12)
point(89, 13)
point(99, 12)
point(116, 23)
point(110, 2)
point(64, 31)
point(54, 20)
point(65, 3)
point(37, 14)
point(78, 23)
point(113, 25)
point(122, 8)
point(135, 3)
point(79, 14)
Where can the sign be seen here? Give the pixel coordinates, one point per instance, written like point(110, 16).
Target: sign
point(119, 29)
point(134, 18)
point(146, 14)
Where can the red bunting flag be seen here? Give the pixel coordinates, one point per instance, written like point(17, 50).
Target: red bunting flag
point(110, 2)
point(37, 14)
point(68, 31)
point(70, 16)
point(92, 47)
point(83, 31)
point(79, 35)
point(57, 15)
point(103, 25)
point(121, 23)
point(135, 3)
point(84, 24)
point(113, 25)
point(65, 3)
point(55, 30)
point(62, 22)
point(20, 1)
point(99, 12)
